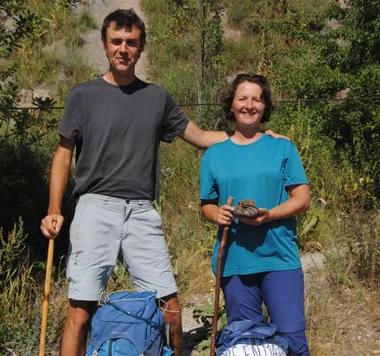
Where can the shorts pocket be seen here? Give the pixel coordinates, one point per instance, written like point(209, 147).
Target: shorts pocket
point(76, 225)
point(156, 219)
point(76, 271)
point(75, 233)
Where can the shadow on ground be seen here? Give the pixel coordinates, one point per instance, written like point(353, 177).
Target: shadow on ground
point(193, 338)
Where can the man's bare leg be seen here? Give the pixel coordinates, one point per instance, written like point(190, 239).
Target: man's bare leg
point(172, 317)
point(77, 324)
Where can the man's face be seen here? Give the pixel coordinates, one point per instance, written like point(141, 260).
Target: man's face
point(123, 48)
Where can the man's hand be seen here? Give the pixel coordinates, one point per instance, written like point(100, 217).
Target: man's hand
point(276, 135)
point(60, 168)
point(51, 225)
point(263, 217)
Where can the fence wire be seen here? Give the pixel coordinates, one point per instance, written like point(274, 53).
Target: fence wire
point(315, 100)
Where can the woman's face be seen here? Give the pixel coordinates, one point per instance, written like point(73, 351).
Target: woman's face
point(247, 106)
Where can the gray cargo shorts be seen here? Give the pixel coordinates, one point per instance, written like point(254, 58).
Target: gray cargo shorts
point(105, 229)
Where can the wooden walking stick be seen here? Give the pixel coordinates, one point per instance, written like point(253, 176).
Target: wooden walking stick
point(217, 284)
point(45, 305)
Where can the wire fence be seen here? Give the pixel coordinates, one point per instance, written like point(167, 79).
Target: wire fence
point(290, 101)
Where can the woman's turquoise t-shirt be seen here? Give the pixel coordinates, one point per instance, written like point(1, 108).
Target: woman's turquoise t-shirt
point(261, 171)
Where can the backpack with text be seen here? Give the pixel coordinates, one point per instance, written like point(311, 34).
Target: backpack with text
point(248, 338)
point(128, 324)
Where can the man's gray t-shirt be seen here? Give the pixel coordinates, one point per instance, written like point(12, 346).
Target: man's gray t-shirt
point(117, 131)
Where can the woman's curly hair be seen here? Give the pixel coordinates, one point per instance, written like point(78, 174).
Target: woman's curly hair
point(261, 81)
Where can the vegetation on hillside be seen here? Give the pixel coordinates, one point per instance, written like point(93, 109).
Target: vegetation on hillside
point(293, 45)
point(40, 46)
point(314, 53)
point(308, 50)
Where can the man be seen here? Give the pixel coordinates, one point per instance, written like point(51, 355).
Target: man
point(116, 123)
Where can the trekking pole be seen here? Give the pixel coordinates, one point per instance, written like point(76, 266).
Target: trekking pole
point(217, 284)
point(45, 304)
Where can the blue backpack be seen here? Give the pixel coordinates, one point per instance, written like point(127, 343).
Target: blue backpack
point(246, 337)
point(128, 324)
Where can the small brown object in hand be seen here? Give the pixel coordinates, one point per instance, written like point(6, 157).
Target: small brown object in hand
point(246, 209)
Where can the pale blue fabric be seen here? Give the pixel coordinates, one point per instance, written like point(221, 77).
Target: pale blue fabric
point(261, 171)
point(106, 228)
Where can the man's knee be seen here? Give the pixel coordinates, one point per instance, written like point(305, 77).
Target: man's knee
point(79, 313)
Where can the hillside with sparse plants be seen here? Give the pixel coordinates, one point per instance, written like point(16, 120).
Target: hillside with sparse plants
point(322, 59)
point(319, 56)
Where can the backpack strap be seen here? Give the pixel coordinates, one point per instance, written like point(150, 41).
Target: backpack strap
point(150, 322)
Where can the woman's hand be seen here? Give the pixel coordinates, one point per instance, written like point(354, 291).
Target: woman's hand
point(218, 215)
point(264, 216)
point(298, 203)
point(225, 215)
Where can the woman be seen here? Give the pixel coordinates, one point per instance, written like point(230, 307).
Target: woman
point(260, 261)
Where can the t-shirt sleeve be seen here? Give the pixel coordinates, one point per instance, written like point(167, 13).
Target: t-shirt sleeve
point(174, 120)
point(294, 170)
point(208, 186)
point(71, 125)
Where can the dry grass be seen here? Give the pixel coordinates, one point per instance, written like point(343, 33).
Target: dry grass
point(342, 320)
